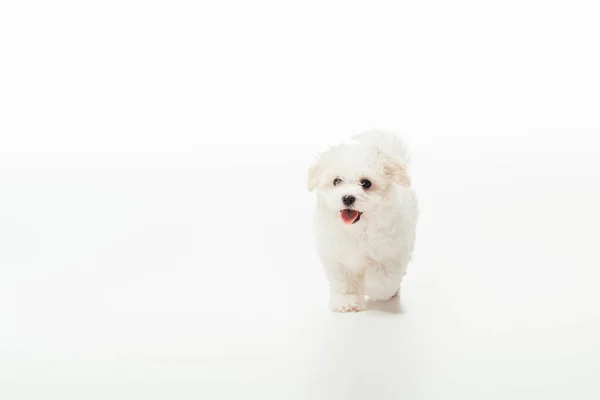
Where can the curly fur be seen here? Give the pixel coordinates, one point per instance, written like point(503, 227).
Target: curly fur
point(369, 257)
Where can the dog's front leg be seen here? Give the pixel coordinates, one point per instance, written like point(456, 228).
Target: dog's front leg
point(346, 289)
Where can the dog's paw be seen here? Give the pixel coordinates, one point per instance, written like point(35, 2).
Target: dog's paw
point(349, 308)
point(344, 303)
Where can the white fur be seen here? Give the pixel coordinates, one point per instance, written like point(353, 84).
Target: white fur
point(370, 257)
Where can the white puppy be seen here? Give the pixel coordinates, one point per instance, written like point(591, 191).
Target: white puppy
point(365, 218)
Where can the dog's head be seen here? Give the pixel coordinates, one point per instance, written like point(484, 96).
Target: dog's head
point(354, 179)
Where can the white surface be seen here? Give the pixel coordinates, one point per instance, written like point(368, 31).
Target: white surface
point(203, 283)
point(154, 222)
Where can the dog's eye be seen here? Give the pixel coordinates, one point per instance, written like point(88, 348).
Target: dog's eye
point(337, 181)
point(365, 183)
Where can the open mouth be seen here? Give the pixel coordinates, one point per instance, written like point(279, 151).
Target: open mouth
point(350, 216)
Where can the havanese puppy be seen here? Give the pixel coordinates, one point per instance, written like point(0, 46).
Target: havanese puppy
point(365, 218)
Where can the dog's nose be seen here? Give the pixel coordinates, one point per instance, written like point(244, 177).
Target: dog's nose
point(348, 200)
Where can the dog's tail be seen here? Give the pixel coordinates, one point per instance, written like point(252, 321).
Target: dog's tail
point(386, 142)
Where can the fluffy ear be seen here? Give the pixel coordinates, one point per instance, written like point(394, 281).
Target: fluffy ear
point(314, 173)
point(397, 173)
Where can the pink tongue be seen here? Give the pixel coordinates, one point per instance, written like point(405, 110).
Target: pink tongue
point(349, 216)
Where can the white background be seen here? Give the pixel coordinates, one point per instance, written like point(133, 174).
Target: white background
point(155, 227)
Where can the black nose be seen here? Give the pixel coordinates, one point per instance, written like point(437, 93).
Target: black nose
point(348, 200)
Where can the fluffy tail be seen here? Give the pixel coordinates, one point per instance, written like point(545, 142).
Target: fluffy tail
point(386, 142)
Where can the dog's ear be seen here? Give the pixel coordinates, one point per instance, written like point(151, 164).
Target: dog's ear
point(397, 172)
point(314, 174)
